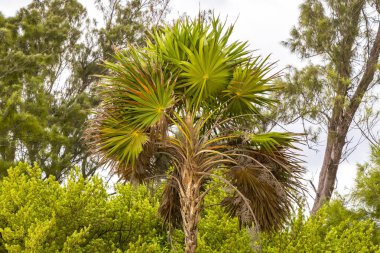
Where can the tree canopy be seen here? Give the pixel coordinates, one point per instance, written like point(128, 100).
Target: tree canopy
point(49, 54)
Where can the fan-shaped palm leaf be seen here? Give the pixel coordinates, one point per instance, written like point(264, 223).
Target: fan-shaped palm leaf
point(138, 88)
point(269, 141)
point(136, 100)
point(203, 56)
point(206, 72)
point(249, 87)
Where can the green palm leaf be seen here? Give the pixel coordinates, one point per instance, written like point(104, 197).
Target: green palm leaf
point(206, 72)
point(271, 141)
point(249, 88)
point(202, 55)
point(116, 141)
point(138, 89)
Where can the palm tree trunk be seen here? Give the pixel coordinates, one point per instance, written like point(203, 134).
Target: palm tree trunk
point(190, 210)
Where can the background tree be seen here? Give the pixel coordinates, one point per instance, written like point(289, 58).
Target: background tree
point(49, 54)
point(187, 106)
point(344, 37)
point(37, 41)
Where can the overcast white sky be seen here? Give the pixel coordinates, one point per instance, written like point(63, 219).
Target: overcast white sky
point(264, 23)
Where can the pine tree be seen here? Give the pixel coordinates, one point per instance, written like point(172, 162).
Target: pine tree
point(345, 36)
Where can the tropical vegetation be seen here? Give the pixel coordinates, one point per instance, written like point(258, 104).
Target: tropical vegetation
point(187, 108)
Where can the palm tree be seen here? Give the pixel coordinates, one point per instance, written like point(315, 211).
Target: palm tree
point(186, 108)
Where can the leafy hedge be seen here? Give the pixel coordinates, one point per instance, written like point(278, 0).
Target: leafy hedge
point(39, 215)
point(42, 215)
point(333, 229)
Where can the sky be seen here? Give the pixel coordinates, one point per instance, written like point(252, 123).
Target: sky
point(264, 24)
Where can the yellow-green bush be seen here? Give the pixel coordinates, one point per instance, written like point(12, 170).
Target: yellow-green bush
point(333, 229)
point(39, 215)
point(42, 215)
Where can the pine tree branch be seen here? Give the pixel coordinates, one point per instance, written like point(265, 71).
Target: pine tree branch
point(366, 79)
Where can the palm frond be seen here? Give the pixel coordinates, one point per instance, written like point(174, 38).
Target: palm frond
point(137, 98)
point(116, 140)
point(170, 205)
point(206, 72)
point(268, 176)
point(249, 87)
point(138, 88)
point(271, 141)
point(203, 55)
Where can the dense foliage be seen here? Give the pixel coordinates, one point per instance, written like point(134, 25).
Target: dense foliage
point(49, 53)
point(79, 215)
point(35, 125)
point(334, 228)
point(367, 184)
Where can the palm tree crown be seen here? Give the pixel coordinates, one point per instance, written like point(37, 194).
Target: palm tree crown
point(186, 106)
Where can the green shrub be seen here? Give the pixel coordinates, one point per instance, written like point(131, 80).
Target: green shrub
point(42, 215)
point(39, 215)
point(333, 229)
